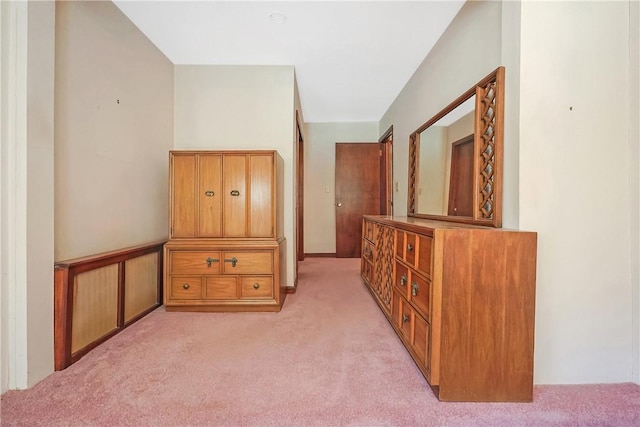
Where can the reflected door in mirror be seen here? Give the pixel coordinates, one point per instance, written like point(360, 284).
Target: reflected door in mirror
point(461, 182)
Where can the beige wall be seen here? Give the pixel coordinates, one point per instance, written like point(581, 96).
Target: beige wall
point(634, 182)
point(114, 128)
point(26, 190)
point(467, 51)
point(103, 186)
point(319, 178)
point(225, 107)
point(567, 172)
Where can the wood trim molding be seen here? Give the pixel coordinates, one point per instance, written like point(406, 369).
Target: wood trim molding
point(320, 255)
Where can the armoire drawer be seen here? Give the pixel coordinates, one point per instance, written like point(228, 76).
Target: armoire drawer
point(257, 262)
point(186, 287)
point(221, 288)
point(195, 262)
point(256, 287)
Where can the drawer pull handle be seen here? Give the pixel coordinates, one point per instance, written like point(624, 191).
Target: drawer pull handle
point(210, 260)
point(414, 289)
point(233, 261)
point(405, 318)
point(403, 280)
point(209, 193)
point(235, 193)
point(256, 286)
point(409, 247)
point(185, 286)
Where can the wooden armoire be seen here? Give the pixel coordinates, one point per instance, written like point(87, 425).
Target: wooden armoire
point(226, 247)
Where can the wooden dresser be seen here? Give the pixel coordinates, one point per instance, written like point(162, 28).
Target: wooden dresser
point(226, 248)
point(462, 300)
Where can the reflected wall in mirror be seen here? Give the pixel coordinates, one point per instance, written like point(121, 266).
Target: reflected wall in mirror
point(455, 158)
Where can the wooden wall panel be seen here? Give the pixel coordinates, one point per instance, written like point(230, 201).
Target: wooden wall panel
point(140, 285)
point(95, 305)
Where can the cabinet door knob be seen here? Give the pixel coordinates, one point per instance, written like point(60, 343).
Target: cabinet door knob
point(209, 193)
point(409, 247)
point(185, 286)
point(414, 289)
point(210, 260)
point(256, 286)
point(405, 318)
point(235, 193)
point(403, 280)
point(233, 261)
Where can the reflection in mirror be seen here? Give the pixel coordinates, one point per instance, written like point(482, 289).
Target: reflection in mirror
point(445, 184)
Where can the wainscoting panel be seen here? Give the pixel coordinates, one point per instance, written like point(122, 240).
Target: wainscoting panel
point(95, 297)
point(140, 285)
point(95, 306)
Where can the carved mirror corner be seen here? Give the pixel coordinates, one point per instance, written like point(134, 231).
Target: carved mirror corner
point(455, 158)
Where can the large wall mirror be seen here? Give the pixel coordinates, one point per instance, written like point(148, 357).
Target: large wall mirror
point(455, 158)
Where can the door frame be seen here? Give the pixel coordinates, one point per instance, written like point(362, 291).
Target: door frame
point(299, 209)
point(386, 172)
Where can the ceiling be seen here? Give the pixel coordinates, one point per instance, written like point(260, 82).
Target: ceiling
point(351, 58)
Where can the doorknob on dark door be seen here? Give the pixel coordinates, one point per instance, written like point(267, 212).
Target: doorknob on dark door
point(338, 204)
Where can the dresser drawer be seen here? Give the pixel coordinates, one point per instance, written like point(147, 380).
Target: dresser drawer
point(258, 262)
point(192, 262)
point(369, 228)
point(401, 280)
point(367, 271)
point(400, 239)
point(423, 260)
point(410, 248)
point(185, 287)
point(221, 288)
point(405, 319)
point(420, 342)
point(368, 250)
point(419, 291)
point(256, 287)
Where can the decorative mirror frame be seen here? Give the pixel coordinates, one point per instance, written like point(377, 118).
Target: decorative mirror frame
point(487, 153)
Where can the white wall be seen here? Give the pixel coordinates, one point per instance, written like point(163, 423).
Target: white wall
point(225, 107)
point(634, 143)
point(319, 179)
point(26, 314)
point(574, 186)
point(114, 128)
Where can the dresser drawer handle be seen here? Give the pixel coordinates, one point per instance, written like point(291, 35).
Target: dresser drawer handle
point(185, 286)
point(409, 247)
point(256, 286)
point(209, 193)
point(403, 280)
point(405, 318)
point(233, 261)
point(235, 193)
point(414, 289)
point(210, 260)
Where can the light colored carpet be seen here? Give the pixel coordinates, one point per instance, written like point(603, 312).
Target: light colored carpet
point(328, 358)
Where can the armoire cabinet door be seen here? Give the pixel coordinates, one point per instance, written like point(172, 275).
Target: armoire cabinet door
point(183, 195)
point(261, 176)
point(222, 195)
point(210, 195)
point(235, 195)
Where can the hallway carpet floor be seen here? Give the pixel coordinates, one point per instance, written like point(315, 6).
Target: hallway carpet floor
point(328, 358)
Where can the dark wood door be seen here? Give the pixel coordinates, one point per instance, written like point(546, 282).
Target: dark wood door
point(461, 182)
point(357, 193)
